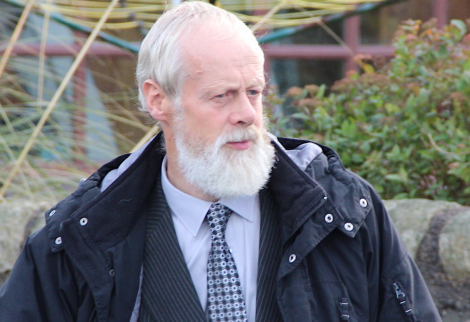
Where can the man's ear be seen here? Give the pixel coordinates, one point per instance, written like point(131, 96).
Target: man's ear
point(158, 103)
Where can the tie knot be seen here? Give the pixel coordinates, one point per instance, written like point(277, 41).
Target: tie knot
point(217, 217)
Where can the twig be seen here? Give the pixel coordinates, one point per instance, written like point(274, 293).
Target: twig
point(336, 37)
point(435, 146)
point(267, 16)
point(57, 95)
point(42, 56)
point(15, 35)
point(146, 137)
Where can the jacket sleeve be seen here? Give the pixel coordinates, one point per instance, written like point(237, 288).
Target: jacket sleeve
point(20, 296)
point(402, 292)
point(41, 287)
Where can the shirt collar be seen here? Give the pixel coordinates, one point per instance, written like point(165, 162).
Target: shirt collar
point(191, 211)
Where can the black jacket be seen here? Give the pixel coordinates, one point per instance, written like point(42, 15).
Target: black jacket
point(342, 257)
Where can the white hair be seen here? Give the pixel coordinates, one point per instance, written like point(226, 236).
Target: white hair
point(160, 57)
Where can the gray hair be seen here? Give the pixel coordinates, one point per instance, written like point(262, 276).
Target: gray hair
point(160, 56)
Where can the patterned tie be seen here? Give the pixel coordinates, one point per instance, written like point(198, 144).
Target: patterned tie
point(225, 301)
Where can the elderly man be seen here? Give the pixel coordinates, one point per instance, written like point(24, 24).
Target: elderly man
point(215, 219)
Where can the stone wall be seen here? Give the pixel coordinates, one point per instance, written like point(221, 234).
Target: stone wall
point(19, 219)
point(437, 234)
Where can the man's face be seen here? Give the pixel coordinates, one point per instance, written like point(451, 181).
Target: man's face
point(218, 130)
point(224, 88)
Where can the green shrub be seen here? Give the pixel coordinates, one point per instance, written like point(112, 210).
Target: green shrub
point(405, 127)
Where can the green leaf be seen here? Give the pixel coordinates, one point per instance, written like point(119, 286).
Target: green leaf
point(462, 172)
point(460, 25)
point(403, 175)
point(368, 68)
point(466, 65)
point(366, 147)
point(392, 108)
point(357, 158)
point(300, 116)
point(467, 191)
point(393, 177)
point(321, 91)
point(348, 129)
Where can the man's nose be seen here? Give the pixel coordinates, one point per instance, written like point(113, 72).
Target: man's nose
point(243, 111)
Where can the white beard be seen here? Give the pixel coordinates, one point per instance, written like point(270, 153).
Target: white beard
point(224, 172)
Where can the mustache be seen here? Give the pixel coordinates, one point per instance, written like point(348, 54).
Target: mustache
point(238, 135)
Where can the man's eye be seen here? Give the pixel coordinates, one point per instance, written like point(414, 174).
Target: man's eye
point(220, 96)
point(253, 92)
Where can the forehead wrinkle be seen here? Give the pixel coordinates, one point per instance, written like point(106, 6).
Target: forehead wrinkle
point(258, 69)
point(230, 85)
point(219, 85)
point(248, 64)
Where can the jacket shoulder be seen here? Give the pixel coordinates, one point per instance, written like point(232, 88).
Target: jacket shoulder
point(87, 190)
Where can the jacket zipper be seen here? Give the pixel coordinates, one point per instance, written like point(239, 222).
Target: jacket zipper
point(344, 309)
point(405, 304)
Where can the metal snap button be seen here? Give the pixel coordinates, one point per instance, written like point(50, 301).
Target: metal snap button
point(363, 203)
point(292, 258)
point(58, 240)
point(82, 180)
point(111, 272)
point(329, 218)
point(83, 221)
point(52, 213)
point(348, 226)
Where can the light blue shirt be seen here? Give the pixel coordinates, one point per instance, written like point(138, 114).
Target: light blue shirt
point(194, 237)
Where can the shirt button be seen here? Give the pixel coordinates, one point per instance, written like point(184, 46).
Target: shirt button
point(348, 226)
point(83, 221)
point(58, 240)
point(363, 203)
point(292, 258)
point(52, 213)
point(329, 218)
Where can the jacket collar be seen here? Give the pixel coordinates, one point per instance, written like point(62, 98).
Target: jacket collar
point(345, 195)
point(314, 203)
point(298, 196)
point(121, 202)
